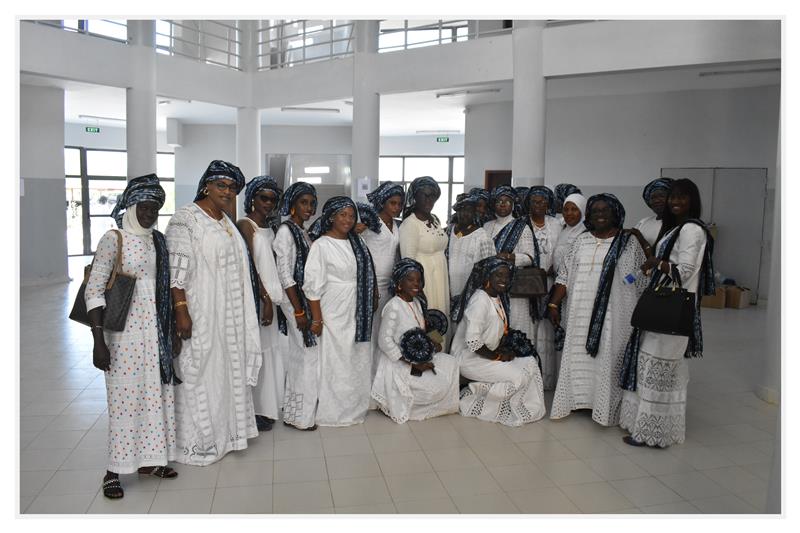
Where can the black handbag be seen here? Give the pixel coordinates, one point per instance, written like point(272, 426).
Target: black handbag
point(529, 282)
point(663, 309)
point(119, 293)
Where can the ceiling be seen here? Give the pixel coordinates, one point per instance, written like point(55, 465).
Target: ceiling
point(406, 113)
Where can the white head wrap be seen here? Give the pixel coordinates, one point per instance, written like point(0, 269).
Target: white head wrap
point(580, 202)
point(130, 223)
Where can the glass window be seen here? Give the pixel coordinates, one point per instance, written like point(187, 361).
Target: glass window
point(74, 217)
point(442, 206)
point(116, 29)
point(103, 196)
point(390, 169)
point(72, 162)
point(165, 165)
point(163, 221)
point(99, 227)
point(169, 202)
point(436, 167)
point(105, 163)
point(458, 188)
point(458, 169)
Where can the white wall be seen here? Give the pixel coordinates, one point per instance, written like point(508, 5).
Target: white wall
point(201, 145)
point(487, 142)
point(109, 138)
point(421, 145)
point(306, 140)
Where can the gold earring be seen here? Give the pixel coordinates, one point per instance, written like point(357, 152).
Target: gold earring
point(205, 191)
point(291, 211)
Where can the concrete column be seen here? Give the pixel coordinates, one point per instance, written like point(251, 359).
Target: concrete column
point(140, 103)
point(366, 110)
point(248, 145)
point(527, 152)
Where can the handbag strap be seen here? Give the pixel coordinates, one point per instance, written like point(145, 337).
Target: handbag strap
point(117, 263)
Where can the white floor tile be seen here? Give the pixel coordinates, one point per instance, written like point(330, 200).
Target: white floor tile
point(189, 501)
point(76, 503)
point(571, 472)
point(410, 487)
point(671, 508)
point(495, 503)
point(389, 443)
point(693, 485)
point(453, 459)
point(616, 467)
point(346, 445)
point(549, 500)
point(736, 479)
point(359, 491)
point(353, 466)
point(520, 477)
point(729, 504)
point(303, 497)
point(468, 482)
point(130, 503)
point(376, 508)
point(404, 463)
point(242, 500)
point(432, 506)
point(245, 474)
point(646, 491)
point(298, 470)
point(597, 497)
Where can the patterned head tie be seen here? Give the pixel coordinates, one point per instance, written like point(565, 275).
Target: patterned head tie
point(663, 184)
point(435, 320)
point(142, 189)
point(562, 190)
point(401, 269)
point(295, 191)
point(465, 201)
point(416, 185)
point(503, 190)
point(520, 203)
point(329, 210)
point(256, 185)
point(217, 170)
point(545, 192)
point(480, 273)
point(613, 202)
point(368, 215)
point(385, 190)
point(480, 194)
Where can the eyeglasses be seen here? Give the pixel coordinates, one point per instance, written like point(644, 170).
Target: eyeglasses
point(503, 202)
point(222, 186)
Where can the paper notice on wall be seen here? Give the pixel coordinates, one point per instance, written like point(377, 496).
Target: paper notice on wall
point(363, 187)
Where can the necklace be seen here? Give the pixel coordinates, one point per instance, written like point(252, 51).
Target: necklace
point(221, 221)
point(501, 313)
point(421, 323)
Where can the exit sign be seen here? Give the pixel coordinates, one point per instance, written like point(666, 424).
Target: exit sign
point(92, 129)
point(442, 139)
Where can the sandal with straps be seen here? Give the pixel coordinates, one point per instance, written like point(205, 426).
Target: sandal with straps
point(112, 489)
point(163, 472)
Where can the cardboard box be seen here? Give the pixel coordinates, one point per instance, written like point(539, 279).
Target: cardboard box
point(717, 301)
point(737, 297)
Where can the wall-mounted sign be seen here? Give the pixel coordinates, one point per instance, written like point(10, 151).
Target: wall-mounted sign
point(442, 139)
point(92, 129)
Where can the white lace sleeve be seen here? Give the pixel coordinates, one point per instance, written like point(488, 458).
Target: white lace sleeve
point(180, 234)
point(388, 335)
point(104, 259)
point(285, 256)
point(315, 277)
point(567, 265)
point(475, 317)
point(485, 245)
point(688, 251)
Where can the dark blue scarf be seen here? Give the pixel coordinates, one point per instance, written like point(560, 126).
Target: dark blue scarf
point(694, 348)
point(301, 246)
point(165, 318)
point(507, 240)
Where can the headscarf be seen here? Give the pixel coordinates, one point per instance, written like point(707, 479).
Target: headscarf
point(706, 286)
point(541, 190)
point(295, 191)
point(400, 270)
point(383, 192)
point(479, 194)
point(562, 190)
point(609, 267)
point(217, 170)
point(580, 202)
point(148, 189)
point(417, 184)
point(365, 270)
point(480, 273)
point(664, 184)
point(520, 207)
point(570, 233)
point(365, 214)
point(502, 190)
point(256, 185)
point(142, 189)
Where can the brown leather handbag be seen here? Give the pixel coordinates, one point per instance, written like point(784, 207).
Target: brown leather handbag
point(529, 282)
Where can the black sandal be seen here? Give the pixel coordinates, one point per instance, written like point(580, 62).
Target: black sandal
point(633, 442)
point(112, 489)
point(312, 428)
point(163, 472)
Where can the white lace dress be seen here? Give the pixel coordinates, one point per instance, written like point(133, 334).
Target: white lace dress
point(268, 393)
point(141, 409)
point(463, 253)
point(214, 404)
point(587, 382)
point(509, 393)
point(345, 365)
point(427, 245)
point(398, 394)
point(493, 227)
point(547, 237)
point(656, 412)
point(302, 363)
point(649, 227)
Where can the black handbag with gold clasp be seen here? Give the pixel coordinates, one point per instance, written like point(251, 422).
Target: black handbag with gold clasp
point(666, 309)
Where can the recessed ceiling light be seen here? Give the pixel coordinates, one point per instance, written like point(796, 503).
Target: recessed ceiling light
point(467, 91)
point(437, 132)
point(96, 117)
point(312, 109)
point(310, 179)
point(317, 170)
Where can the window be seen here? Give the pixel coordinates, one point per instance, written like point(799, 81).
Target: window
point(447, 171)
point(94, 179)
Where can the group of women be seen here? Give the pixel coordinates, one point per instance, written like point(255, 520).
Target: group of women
point(234, 326)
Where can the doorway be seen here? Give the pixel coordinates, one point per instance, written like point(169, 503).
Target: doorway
point(495, 178)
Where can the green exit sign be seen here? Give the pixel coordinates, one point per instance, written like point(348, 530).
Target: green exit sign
point(442, 139)
point(92, 129)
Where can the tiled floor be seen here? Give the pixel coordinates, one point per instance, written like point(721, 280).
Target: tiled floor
point(446, 465)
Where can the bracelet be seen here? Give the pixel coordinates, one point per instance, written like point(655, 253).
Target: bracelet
point(97, 327)
point(551, 304)
point(182, 302)
point(301, 313)
point(317, 322)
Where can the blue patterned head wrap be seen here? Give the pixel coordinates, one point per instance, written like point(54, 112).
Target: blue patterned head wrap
point(219, 169)
point(295, 191)
point(664, 184)
point(613, 202)
point(142, 189)
point(417, 184)
point(256, 185)
point(329, 210)
point(480, 273)
point(541, 190)
point(385, 190)
point(503, 190)
point(401, 269)
point(562, 190)
point(480, 194)
point(465, 200)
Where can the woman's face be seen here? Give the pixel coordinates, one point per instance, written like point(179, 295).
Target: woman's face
point(344, 220)
point(572, 215)
point(601, 216)
point(410, 285)
point(466, 215)
point(393, 206)
point(538, 206)
point(222, 193)
point(679, 204)
point(264, 202)
point(304, 206)
point(500, 279)
point(481, 208)
point(503, 206)
point(147, 213)
point(658, 201)
point(424, 199)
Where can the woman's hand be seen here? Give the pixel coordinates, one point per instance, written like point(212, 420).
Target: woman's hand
point(302, 322)
point(650, 264)
point(183, 322)
point(437, 346)
point(266, 310)
point(508, 256)
point(316, 327)
point(360, 227)
point(554, 315)
point(418, 368)
point(635, 232)
point(101, 358)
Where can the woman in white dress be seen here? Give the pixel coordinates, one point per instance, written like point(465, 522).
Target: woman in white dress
point(342, 292)
point(655, 371)
point(137, 361)
point(260, 199)
point(291, 247)
point(423, 239)
point(469, 243)
point(504, 388)
point(215, 316)
point(647, 231)
point(404, 389)
point(600, 301)
point(503, 199)
point(530, 240)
